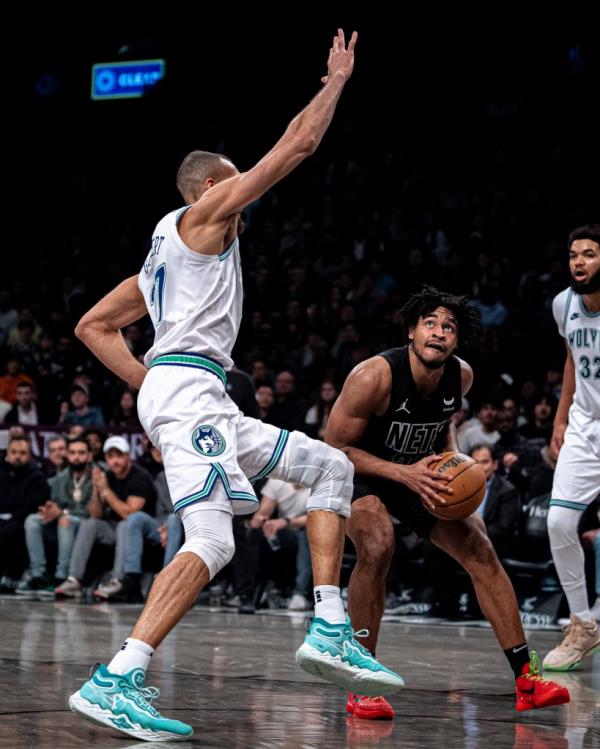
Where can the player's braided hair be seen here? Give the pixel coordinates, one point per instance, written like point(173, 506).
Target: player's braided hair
point(430, 298)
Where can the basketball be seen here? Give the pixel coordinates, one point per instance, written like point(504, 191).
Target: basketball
point(467, 481)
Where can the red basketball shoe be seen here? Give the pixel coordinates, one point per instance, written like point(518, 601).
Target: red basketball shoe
point(369, 708)
point(534, 692)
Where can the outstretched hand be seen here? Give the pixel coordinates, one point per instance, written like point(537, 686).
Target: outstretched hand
point(341, 58)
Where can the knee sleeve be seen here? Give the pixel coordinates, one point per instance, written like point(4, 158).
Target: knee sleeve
point(562, 526)
point(209, 535)
point(323, 469)
point(568, 555)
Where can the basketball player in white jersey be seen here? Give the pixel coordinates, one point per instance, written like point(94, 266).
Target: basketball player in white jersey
point(576, 441)
point(191, 283)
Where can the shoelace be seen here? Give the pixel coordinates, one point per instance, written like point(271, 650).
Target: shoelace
point(534, 668)
point(144, 696)
point(353, 635)
point(362, 648)
point(150, 693)
point(366, 698)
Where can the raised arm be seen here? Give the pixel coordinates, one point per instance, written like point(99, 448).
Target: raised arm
point(303, 135)
point(100, 330)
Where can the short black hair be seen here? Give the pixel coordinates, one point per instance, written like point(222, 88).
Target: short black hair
point(81, 439)
point(587, 231)
point(429, 298)
point(20, 438)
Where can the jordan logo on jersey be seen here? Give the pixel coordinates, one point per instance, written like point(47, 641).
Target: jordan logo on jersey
point(207, 440)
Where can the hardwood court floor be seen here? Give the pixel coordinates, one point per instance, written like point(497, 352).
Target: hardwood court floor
point(234, 679)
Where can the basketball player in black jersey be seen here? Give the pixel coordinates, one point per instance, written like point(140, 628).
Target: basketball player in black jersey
point(391, 419)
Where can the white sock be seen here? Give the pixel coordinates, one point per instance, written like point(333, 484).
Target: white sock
point(586, 615)
point(328, 604)
point(133, 654)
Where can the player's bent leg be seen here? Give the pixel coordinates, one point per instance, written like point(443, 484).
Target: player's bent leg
point(371, 531)
point(207, 549)
point(466, 541)
point(120, 700)
point(330, 649)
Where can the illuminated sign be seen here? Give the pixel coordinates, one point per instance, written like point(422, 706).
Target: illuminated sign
point(125, 80)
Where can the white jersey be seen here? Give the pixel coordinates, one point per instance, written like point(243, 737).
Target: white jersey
point(581, 330)
point(194, 300)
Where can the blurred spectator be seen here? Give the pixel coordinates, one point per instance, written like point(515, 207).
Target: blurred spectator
point(22, 345)
point(57, 456)
point(542, 474)
point(56, 522)
point(23, 489)
point(125, 414)
point(265, 398)
point(318, 414)
point(165, 529)
point(287, 533)
point(480, 430)
point(502, 502)
point(8, 316)
point(25, 411)
point(76, 430)
point(289, 410)
point(134, 340)
point(553, 382)
point(95, 439)
point(459, 418)
point(260, 374)
point(12, 379)
point(123, 489)
point(491, 308)
point(542, 418)
point(147, 459)
point(510, 404)
point(518, 456)
point(80, 412)
point(240, 389)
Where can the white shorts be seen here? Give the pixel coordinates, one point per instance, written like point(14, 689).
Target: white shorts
point(577, 474)
point(187, 414)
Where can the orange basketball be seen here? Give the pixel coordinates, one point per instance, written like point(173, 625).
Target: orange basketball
point(468, 482)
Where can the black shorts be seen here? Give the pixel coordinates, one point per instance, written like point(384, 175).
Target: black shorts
point(400, 502)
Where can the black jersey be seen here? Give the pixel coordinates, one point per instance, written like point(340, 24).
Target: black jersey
point(410, 428)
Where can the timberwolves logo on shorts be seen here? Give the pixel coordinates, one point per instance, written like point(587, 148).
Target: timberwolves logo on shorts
point(208, 440)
